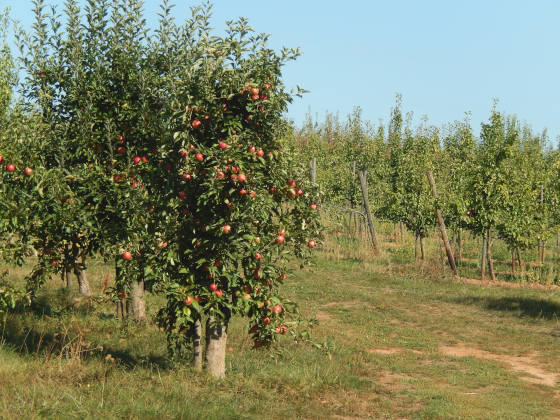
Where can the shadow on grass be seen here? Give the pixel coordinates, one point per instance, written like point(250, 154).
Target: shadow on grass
point(22, 335)
point(525, 306)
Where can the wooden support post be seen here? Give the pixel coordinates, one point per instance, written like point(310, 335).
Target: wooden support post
point(448, 251)
point(362, 175)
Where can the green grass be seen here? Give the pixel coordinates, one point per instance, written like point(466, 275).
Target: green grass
point(383, 332)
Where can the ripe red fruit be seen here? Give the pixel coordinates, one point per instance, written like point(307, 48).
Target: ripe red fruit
point(251, 149)
point(134, 185)
point(136, 160)
point(266, 320)
point(182, 195)
point(254, 97)
point(292, 183)
point(196, 123)
point(1, 159)
point(254, 91)
point(299, 192)
point(311, 244)
point(277, 309)
point(10, 167)
point(186, 177)
point(183, 153)
point(258, 256)
point(121, 138)
point(313, 206)
point(282, 277)
point(241, 178)
point(280, 239)
point(213, 287)
point(283, 329)
point(252, 194)
point(188, 300)
point(219, 293)
point(121, 150)
point(199, 157)
point(28, 171)
point(278, 329)
point(292, 193)
point(222, 145)
point(243, 191)
point(226, 229)
point(126, 255)
point(260, 153)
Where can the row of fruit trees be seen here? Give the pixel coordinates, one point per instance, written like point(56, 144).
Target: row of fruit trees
point(502, 184)
point(161, 152)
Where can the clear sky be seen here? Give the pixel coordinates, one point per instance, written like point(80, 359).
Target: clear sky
point(444, 57)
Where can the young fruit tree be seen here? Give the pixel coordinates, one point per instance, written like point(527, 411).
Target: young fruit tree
point(243, 205)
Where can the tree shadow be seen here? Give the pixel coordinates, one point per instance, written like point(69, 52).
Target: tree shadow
point(524, 306)
point(23, 336)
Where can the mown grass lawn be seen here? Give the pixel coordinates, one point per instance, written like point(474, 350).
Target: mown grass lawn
point(392, 342)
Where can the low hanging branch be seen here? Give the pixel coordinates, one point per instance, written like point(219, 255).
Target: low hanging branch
point(448, 251)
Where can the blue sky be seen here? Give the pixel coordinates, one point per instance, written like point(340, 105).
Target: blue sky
point(444, 57)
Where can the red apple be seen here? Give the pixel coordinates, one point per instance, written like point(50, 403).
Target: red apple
point(223, 145)
point(219, 293)
point(136, 160)
point(280, 239)
point(260, 153)
point(126, 255)
point(10, 167)
point(277, 309)
point(213, 287)
point(199, 157)
point(182, 195)
point(188, 300)
point(28, 171)
point(266, 321)
point(241, 178)
point(196, 123)
point(226, 229)
point(311, 244)
point(251, 149)
point(313, 206)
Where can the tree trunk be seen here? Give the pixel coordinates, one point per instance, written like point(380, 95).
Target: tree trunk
point(513, 261)
point(80, 271)
point(401, 227)
point(519, 259)
point(196, 331)
point(448, 251)
point(313, 170)
point(67, 277)
point(415, 248)
point(422, 256)
point(483, 259)
point(489, 256)
point(459, 245)
point(216, 341)
point(138, 303)
point(362, 175)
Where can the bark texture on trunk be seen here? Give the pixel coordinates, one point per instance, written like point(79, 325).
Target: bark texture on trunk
point(138, 303)
point(80, 271)
point(216, 342)
point(422, 255)
point(416, 248)
point(197, 344)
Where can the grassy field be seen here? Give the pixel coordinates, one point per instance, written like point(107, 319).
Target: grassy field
point(395, 339)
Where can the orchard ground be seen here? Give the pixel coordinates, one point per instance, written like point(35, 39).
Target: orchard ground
point(395, 339)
